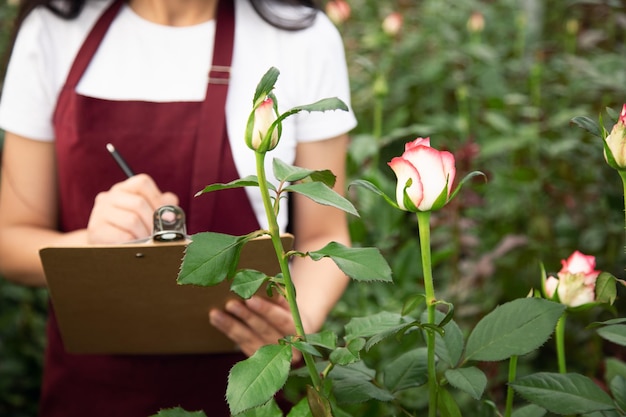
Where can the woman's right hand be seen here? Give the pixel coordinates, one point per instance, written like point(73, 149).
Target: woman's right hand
point(124, 212)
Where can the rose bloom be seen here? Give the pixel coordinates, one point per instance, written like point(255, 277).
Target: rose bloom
point(431, 171)
point(264, 116)
point(576, 281)
point(616, 140)
point(338, 11)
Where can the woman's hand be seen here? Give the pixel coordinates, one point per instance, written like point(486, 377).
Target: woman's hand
point(255, 322)
point(124, 212)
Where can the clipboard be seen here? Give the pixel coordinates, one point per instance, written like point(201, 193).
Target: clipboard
point(124, 299)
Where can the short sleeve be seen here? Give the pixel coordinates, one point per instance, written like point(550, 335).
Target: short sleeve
point(327, 76)
point(28, 98)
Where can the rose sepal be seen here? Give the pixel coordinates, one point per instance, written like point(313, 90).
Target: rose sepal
point(463, 181)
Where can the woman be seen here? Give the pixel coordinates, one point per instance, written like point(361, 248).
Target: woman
point(86, 73)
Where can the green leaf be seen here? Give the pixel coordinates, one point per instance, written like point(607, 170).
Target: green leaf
point(449, 347)
point(606, 288)
point(407, 370)
point(270, 409)
point(374, 324)
point(353, 384)
point(266, 85)
point(470, 380)
point(371, 187)
point(447, 404)
point(618, 389)
point(349, 354)
point(323, 194)
point(563, 393)
point(210, 258)
point(361, 264)
point(247, 282)
point(179, 412)
point(515, 328)
point(326, 339)
point(615, 333)
point(301, 409)
point(290, 173)
point(254, 381)
point(249, 181)
point(587, 124)
point(530, 410)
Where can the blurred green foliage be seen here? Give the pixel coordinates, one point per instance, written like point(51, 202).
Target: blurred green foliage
point(501, 99)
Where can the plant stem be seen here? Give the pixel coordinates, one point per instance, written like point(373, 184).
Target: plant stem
point(622, 175)
point(423, 222)
point(560, 343)
point(509, 390)
point(290, 290)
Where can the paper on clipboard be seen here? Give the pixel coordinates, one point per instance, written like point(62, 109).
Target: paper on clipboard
point(124, 299)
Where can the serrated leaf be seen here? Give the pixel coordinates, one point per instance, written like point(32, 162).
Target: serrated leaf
point(270, 409)
point(326, 339)
point(618, 389)
point(606, 288)
point(361, 264)
point(373, 188)
point(323, 194)
point(210, 258)
point(249, 181)
point(563, 393)
point(353, 384)
point(615, 333)
point(266, 85)
point(349, 354)
point(470, 380)
point(587, 124)
point(371, 325)
point(247, 282)
point(530, 410)
point(449, 346)
point(255, 380)
point(514, 328)
point(290, 173)
point(407, 370)
point(179, 412)
point(301, 409)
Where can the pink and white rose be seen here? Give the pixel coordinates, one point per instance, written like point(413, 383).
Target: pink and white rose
point(576, 281)
point(431, 173)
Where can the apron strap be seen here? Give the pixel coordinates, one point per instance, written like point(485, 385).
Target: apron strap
point(212, 126)
point(91, 44)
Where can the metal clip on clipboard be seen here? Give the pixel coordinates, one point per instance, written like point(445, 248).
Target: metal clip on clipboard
point(169, 224)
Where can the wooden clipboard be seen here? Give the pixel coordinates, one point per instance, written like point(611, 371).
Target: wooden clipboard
point(124, 299)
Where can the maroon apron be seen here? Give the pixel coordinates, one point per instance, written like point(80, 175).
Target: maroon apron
point(183, 146)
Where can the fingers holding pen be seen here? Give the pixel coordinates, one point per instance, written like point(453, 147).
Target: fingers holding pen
point(124, 212)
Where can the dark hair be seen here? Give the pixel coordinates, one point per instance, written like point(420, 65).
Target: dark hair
point(69, 9)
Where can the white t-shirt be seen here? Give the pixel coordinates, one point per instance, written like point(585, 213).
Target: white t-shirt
point(141, 60)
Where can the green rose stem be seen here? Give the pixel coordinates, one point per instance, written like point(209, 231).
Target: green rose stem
point(622, 175)
point(560, 343)
point(423, 222)
point(290, 290)
point(510, 394)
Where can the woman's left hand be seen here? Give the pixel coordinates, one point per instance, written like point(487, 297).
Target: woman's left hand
point(255, 322)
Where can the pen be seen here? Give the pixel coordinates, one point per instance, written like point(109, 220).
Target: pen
point(120, 161)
